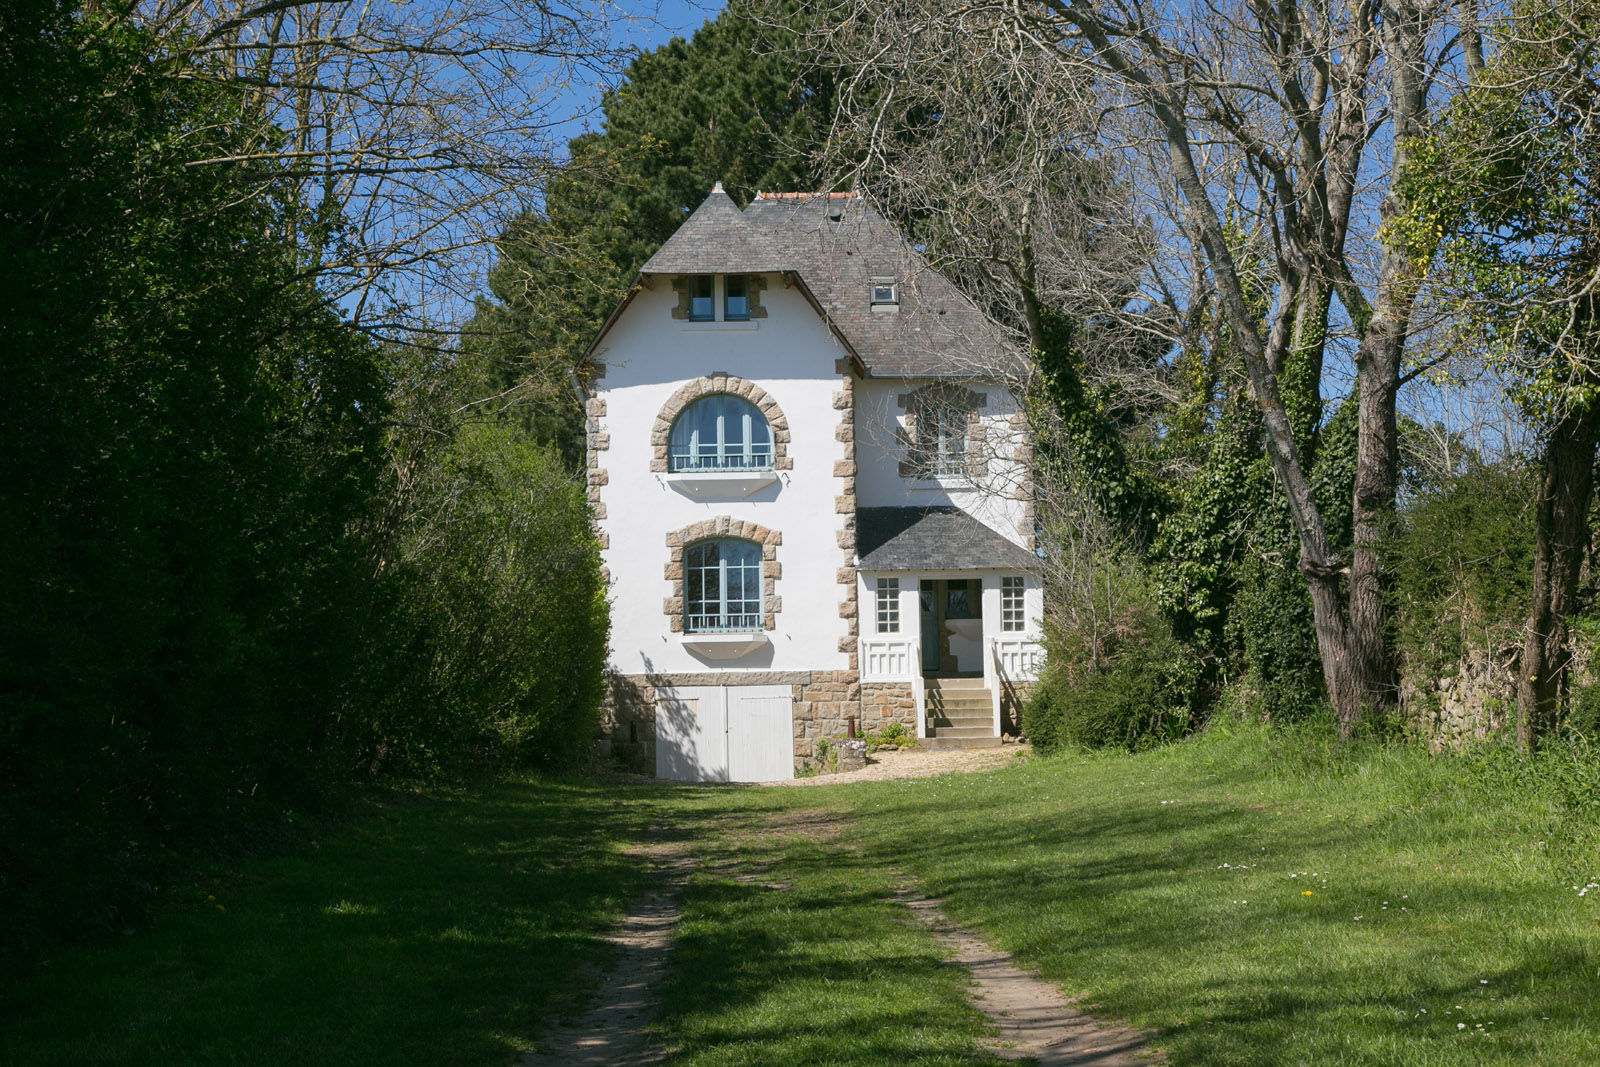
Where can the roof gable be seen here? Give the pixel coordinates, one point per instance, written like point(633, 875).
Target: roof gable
point(837, 244)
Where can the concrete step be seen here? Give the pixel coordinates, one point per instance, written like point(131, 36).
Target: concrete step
point(974, 730)
point(947, 684)
point(936, 744)
point(964, 704)
point(941, 725)
point(976, 715)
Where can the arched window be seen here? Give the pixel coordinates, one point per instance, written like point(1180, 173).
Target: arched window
point(722, 586)
point(720, 432)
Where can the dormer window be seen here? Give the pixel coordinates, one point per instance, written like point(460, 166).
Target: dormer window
point(702, 301)
point(736, 298)
point(697, 296)
point(884, 293)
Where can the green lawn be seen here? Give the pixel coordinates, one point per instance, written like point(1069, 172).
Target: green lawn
point(791, 950)
point(1257, 906)
point(1209, 890)
point(434, 930)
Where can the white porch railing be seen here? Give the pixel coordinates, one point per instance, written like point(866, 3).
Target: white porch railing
point(887, 659)
point(1018, 659)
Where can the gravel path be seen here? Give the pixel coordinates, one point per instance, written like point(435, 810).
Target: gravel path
point(616, 1029)
point(1036, 1022)
point(885, 765)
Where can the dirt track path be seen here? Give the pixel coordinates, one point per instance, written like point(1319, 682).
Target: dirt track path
point(616, 1029)
point(1036, 1022)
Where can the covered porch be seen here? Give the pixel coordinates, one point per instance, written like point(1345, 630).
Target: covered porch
point(949, 616)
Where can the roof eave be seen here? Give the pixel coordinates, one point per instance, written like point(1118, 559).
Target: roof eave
point(856, 363)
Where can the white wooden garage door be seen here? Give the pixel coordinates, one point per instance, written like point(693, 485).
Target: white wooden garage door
point(725, 733)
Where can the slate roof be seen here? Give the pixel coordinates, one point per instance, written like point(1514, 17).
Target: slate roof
point(932, 538)
point(837, 244)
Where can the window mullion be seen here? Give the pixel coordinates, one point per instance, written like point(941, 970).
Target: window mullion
point(722, 588)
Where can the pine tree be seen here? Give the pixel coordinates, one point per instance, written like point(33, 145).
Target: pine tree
point(732, 104)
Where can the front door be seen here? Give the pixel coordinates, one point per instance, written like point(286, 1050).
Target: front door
point(951, 626)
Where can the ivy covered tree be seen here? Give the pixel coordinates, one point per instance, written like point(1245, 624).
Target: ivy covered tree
point(1507, 214)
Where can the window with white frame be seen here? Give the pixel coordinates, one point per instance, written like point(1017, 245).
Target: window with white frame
point(720, 432)
point(736, 298)
point(884, 293)
point(1013, 616)
point(722, 586)
point(888, 604)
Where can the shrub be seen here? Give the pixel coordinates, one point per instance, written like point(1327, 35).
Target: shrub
point(894, 735)
point(500, 608)
point(1135, 687)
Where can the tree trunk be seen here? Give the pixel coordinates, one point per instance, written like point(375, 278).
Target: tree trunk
point(1404, 29)
point(1561, 535)
point(1372, 506)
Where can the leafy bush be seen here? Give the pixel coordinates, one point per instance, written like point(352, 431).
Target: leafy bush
point(1132, 685)
point(1275, 640)
point(500, 608)
point(894, 735)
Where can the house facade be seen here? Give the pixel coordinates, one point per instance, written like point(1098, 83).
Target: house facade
point(810, 482)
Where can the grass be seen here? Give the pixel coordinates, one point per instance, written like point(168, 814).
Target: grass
point(1261, 899)
point(1255, 897)
point(438, 929)
point(791, 950)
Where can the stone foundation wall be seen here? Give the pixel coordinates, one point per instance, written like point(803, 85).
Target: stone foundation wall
point(823, 706)
point(886, 702)
point(628, 721)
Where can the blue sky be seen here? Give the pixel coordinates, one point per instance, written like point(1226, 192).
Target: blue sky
point(659, 22)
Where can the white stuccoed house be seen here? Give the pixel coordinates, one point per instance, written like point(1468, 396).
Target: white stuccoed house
point(811, 485)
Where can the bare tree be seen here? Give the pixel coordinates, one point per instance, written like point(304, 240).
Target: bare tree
point(410, 133)
point(1289, 96)
point(955, 124)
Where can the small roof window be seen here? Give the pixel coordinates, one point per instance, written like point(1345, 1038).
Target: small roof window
point(884, 292)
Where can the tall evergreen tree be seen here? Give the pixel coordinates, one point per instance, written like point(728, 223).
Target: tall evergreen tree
point(731, 104)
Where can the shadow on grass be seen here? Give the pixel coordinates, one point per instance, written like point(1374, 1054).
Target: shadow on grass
point(789, 953)
point(1128, 898)
point(440, 930)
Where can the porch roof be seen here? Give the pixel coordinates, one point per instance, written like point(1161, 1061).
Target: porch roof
point(933, 539)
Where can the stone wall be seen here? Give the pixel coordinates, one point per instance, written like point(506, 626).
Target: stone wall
point(886, 702)
point(823, 706)
point(1475, 702)
point(628, 722)
point(844, 505)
